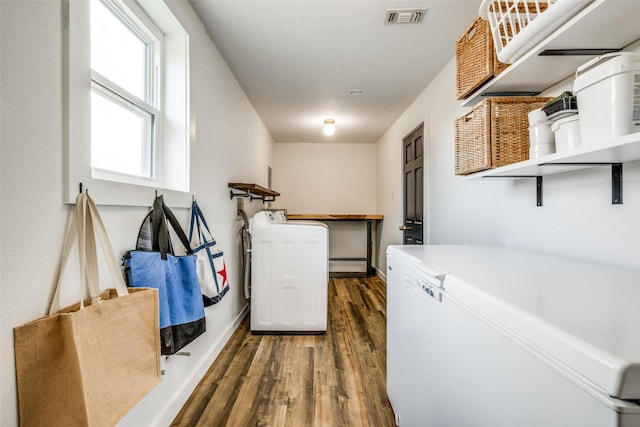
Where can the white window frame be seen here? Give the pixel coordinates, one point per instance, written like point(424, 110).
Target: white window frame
point(102, 87)
point(171, 159)
point(139, 23)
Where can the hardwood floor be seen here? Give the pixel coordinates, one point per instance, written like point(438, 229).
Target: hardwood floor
point(335, 379)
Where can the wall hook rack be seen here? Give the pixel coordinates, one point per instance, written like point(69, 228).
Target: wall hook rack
point(81, 189)
point(252, 191)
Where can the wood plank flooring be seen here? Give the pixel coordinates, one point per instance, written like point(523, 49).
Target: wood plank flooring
point(335, 379)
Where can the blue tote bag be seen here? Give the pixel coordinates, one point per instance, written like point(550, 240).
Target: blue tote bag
point(153, 265)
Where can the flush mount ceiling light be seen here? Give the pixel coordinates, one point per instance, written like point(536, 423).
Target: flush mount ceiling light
point(329, 127)
point(356, 92)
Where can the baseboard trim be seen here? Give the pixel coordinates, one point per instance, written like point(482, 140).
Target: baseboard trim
point(199, 372)
point(164, 415)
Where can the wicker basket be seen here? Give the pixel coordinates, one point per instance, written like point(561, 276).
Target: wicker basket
point(495, 133)
point(476, 60)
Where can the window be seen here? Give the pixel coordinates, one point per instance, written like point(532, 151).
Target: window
point(127, 101)
point(123, 91)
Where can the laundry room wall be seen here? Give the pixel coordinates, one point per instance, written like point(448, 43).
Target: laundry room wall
point(229, 143)
point(577, 219)
point(329, 178)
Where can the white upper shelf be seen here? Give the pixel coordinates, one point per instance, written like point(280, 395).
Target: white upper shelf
point(604, 24)
point(620, 150)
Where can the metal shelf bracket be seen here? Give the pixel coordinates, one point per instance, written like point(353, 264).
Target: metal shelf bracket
point(251, 196)
point(538, 184)
point(538, 190)
point(616, 183)
point(233, 194)
point(264, 198)
point(616, 177)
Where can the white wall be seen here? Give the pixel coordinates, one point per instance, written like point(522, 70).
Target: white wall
point(329, 178)
point(577, 218)
point(326, 178)
point(231, 144)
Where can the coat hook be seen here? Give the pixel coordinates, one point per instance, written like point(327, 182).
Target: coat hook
point(80, 188)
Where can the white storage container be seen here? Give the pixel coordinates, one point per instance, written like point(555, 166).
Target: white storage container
point(541, 150)
point(608, 91)
point(541, 138)
point(567, 133)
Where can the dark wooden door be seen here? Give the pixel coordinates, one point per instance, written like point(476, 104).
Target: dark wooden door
point(413, 187)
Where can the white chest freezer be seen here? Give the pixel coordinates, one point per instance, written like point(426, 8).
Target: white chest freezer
point(289, 274)
point(487, 336)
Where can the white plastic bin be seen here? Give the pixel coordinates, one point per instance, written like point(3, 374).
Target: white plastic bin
point(608, 92)
point(541, 138)
point(567, 133)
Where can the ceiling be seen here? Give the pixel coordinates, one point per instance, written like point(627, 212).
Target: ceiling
point(297, 60)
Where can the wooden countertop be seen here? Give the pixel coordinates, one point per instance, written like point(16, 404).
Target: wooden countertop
point(335, 217)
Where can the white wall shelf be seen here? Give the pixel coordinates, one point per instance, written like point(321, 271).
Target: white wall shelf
point(612, 153)
point(620, 150)
point(595, 27)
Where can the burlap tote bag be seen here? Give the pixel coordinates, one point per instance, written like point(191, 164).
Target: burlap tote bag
point(89, 364)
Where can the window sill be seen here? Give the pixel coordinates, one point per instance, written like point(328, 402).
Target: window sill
point(120, 194)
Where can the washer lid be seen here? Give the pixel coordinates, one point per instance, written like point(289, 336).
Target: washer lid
point(584, 316)
point(266, 218)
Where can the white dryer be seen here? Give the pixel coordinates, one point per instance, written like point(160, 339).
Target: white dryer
point(289, 274)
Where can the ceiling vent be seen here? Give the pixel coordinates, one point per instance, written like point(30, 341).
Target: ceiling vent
point(404, 16)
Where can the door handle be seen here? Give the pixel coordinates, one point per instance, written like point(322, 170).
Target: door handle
point(404, 228)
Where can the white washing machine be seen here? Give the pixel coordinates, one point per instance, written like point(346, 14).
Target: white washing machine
point(289, 274)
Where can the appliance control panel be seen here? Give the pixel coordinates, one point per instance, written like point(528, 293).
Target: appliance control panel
point(266, 218)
